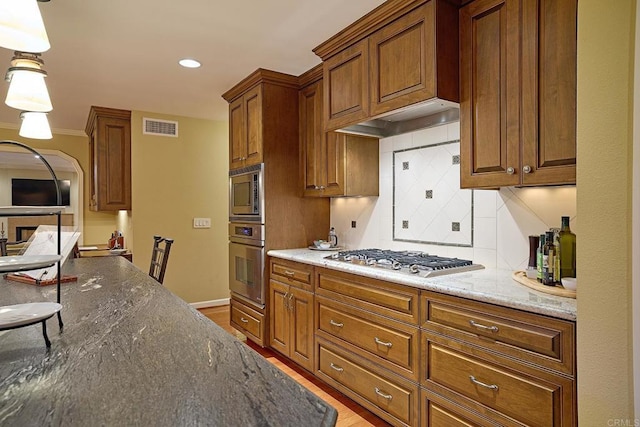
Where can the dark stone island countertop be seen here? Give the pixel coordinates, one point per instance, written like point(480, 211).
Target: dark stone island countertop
point(132, 353)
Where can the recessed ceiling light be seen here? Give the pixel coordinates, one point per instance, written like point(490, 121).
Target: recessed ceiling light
point(189, 63)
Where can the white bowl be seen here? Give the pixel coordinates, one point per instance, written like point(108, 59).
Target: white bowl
point(324, 245)
point(569, 283)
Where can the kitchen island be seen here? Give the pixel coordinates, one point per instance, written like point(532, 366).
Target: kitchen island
point(132, 353)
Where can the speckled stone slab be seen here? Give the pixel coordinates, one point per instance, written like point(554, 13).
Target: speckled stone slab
point(489, 285)
point(132, 353)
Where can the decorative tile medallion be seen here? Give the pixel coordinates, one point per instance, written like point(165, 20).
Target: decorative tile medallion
point(441, 215)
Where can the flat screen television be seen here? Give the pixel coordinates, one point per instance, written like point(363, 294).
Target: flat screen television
point(39, 192)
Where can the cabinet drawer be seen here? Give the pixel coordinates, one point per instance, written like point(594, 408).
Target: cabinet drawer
point(293, 273)
point(534, 338)
point(387, 299)
point(248, 321)
point(395, 343)
point(436, 411)
point(385, 393)
point(522, 397)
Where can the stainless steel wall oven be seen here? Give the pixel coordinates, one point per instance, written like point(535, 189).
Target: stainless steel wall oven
point(246, 262)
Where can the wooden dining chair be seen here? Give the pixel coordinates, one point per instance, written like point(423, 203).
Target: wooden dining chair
point(159, 257)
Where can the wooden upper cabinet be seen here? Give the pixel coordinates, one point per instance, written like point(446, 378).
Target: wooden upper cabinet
point(401, 53)
point(245, 129)
point(332, 164)
point(109, 132)
point(346, 91)
point(518, 93)
point(312, 138)
point(489, 93)
point(549, 37)
point(412, 59)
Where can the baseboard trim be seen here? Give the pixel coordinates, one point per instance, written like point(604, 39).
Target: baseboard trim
point(210, 303)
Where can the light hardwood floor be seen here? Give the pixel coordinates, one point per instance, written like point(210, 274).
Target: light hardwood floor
point(350, 414)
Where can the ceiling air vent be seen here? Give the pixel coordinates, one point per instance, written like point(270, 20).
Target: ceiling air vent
point(159, 127)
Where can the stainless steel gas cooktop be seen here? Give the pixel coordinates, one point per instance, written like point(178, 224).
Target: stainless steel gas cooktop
point(410, 262)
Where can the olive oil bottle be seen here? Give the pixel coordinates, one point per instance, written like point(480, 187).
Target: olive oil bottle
point(567, 241)
point(541, 242)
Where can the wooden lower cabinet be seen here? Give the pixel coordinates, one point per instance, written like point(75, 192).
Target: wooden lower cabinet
point(248, 320)
point(391, 397)
point(435, 411)
point(416, 357)
point(291, 323)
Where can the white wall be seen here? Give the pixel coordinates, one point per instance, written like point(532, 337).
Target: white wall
point(503, 219)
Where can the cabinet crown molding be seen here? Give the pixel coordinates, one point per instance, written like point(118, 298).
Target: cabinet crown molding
point(261, 75)
point(104, 112)
point(369, 23)
point(310, 76)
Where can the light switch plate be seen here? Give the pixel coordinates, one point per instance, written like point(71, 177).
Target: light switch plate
point(201, 222)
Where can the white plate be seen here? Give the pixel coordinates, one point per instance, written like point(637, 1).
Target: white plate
point(21, 314)
point(315, 248)
point(117, 251)
point(10, 264)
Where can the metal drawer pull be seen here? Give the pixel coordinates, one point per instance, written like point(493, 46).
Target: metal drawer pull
point(290, 301)
point(486, 328)
point(334, 323)
point(243, 320)
point(480, 383)
point(285, 301)
point(289, 273)
point(381, 394)
point(336, 367)
point(386, 344)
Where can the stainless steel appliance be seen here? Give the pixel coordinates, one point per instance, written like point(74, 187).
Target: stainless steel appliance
point(246, 262)
point(410, 262)
point(246, 194)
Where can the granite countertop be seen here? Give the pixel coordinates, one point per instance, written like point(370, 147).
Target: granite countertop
point(132, 353)
point(488, 285)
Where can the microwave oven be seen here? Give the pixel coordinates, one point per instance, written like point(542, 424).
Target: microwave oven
point(246, 194)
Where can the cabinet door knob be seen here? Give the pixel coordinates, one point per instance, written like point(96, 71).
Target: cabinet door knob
point(243, 320)
point(511, 170)
point(315, 187)
point(526, 169)
point(322, 187)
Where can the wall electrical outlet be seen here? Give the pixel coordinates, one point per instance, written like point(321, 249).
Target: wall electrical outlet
point(353, 224)
point(201, 222)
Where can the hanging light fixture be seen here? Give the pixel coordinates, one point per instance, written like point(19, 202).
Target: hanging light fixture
point(35, 125)
point(21, 26)
point(27, 89)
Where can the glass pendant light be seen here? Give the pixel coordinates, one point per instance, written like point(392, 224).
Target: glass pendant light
point(21, 26)
point(35, 125)
point(27, 89)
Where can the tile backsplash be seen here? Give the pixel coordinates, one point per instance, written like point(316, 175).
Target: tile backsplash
point(502, 219)
point(428, 204)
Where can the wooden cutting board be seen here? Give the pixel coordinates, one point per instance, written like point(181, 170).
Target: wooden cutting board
point(521, 277)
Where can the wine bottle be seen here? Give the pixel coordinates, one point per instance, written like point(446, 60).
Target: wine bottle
point(567, 241)
point(539, 256)
point(548, 259)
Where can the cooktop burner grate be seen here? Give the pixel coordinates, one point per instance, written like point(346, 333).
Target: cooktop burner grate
point(413, 262)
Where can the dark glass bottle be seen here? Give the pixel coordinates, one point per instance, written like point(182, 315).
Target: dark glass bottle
point(539, 254)
point(548, 259)
point(567, 241)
